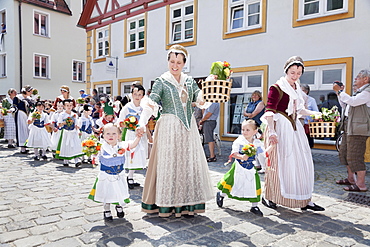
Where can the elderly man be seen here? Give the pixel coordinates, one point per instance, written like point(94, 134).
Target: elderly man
point(356, 131)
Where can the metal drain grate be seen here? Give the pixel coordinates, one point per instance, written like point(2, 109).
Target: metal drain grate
point(358, 198)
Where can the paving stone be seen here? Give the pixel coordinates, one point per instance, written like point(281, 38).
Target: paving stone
point(70, 242)
point(40, 230)
point(71, 215)
point(207, 241)
point(91, 237)
point(30, 241)
point(65, 233)
point(18, 225)
point(47, 220)
point(12, 236)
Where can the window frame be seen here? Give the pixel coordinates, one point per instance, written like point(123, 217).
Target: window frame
point(82, 71)
point(299, 19)
point(137, 51)
point(47, 24)
point(47, 72)
point(182, 19)
point(244, 5)
point(255, 29)
point(96, 43)
point(245, 72)
point(3, 65)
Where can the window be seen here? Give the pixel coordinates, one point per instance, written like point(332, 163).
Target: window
point(135, 35)
point(78, 69)
point(41, 66)
point(2, 65)
point(320, 75)
point(244, 17)
point(245, 82)
point(102, 41)
point(316, 11)
point(41, 24)
point(182, 23)
point(245, 14)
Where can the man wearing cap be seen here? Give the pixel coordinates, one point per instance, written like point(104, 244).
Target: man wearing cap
point(83, 94)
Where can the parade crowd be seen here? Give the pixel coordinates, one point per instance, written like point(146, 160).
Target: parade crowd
point(118, 136)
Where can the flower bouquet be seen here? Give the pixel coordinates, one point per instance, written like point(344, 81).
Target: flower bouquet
point(36, 115)
point(324, 125)
point(80, 101)
point(249, 150)
point(4, 111)
point(221, 69)
point(91, 146)
point(35, 91)
point(131, 123)
point(69, 121)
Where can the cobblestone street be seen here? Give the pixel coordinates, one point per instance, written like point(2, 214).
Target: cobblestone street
point(43, 203)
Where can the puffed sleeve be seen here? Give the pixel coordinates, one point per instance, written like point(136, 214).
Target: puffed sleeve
point(273, 99)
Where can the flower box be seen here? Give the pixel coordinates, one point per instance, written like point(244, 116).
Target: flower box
point(216, 91)
point(322, 129)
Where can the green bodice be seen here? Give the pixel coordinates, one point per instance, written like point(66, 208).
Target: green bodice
point(166, 94)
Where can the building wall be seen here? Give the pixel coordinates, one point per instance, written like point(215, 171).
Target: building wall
point(66, 42)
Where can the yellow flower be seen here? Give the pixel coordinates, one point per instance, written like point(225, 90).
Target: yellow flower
point(227, 72)
point(132, 119)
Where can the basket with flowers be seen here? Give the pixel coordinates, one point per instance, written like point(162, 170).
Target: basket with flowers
point(80, 100)
point(91, 146)
point(36, 115)
point(131, 123)
point(217, 87)
point(35, 91)
point(4, 111)
point(249, 150)
point(325, 125)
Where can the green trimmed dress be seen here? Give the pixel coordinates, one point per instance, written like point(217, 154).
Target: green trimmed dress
point(177, 181)
point(242, 181)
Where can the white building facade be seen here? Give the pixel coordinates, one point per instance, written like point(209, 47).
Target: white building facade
point(42, 46)
point(127, 41)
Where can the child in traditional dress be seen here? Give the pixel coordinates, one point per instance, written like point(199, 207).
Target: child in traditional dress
point(55, 135)
point(242, 181)
point(69, 144)
point(135, 159)
point(86, 124)
point(108, 114)
point(38, 137)
point(110, 185)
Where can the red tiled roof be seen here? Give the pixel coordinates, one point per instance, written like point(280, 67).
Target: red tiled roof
point(56, 5)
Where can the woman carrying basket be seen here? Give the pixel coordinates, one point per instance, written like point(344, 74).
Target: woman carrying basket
point(290, 172)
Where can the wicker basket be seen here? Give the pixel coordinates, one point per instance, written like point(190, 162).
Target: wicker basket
point(216, 91)
point(322, 129)
point(48, 128)
point(2, 125)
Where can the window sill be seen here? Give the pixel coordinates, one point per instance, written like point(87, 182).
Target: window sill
point(244, 32)
point(3, 77)
point(98, 60)
point(183, 43)
point(42, 36)
point(315, 16)
point(135, 53)
point(42, 78)
point(78, 81)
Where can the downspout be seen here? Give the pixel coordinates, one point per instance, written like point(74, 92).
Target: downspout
point(20, 45)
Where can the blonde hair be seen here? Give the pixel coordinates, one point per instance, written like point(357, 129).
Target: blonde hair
point(177, 49)
point(251, 122)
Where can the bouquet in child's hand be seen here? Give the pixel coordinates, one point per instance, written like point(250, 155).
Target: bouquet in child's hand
point(91, 146)
point(249, 150)
point(131, 123)
point(36, 115)
point(35, 91)
point(69, 121)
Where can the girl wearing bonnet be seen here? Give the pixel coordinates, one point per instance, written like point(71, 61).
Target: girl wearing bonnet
point(290, 179)
point(177, 180)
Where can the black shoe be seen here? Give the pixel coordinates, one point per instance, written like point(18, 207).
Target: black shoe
point(25, 152)
point(214, 159)
point(11, 146)
point(256, 211)
point(120, 214)
point(314, 208)
point(219, 199)
point(108, 216)
point(78, 164)
point(44, 157)
point(270, 204)
point(130, 185)
point(36, 158)
point(65, 164)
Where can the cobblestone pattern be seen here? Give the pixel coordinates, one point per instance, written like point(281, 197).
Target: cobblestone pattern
point(45, 204)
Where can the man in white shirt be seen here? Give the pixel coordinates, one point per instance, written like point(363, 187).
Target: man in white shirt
point(356, 131)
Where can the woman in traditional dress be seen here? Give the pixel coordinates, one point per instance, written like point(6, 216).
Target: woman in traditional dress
point(289, 179)
point(9, 128)
point(23, 103)
point(177, 180)
point(65, 95)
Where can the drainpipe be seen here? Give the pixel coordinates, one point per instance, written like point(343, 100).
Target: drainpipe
point(20, 45)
